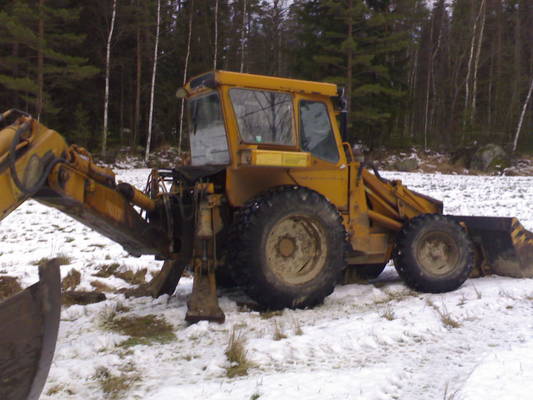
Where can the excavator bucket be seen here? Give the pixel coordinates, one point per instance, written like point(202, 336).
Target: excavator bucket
point(28, 334)
point(504, 246)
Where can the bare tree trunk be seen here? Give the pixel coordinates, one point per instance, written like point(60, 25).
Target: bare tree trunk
point(40, 61)
point(216, 37)
point(349, 69)
point(476, 64)
point(121, 125)
point(522, 115)
point(185, 69)
point(469, 69)
point(137, 116)
point(107, 69)
point(243, 37)
point(152, 87)
point(428, 84)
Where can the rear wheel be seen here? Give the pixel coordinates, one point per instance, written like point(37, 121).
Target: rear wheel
point(288, 248)
point(433, 254)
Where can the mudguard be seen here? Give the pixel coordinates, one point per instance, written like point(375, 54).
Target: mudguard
point(29, 324)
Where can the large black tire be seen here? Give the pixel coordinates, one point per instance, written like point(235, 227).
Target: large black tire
point(433, 254)
point(288, 248)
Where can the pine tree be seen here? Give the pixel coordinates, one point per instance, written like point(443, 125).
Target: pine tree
point(35, 83)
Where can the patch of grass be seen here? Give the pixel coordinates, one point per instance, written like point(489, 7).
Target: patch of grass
point(133, 278)
point(54, 390)
point(236, 355)
point(115, 386)
point(145, 329)
point(271, 314)
point(106, 270)
point(81, 297)
point(102, 287)
point(278, 332)
point(388, 313)
point(9, 286)
point(72, 280)
point(255, 396)
point(61, 259)
point(478, 293)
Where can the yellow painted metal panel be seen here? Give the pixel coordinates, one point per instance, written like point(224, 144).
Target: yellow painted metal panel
point(275, 83)
point(275, 158)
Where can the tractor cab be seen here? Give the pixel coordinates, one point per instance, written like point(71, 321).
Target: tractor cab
point(241, 119)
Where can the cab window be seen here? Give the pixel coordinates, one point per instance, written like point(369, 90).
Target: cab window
point(207, 134)
point(316, 134)
point(263, 117)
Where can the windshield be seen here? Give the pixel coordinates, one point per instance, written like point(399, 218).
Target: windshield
point(263, 117)
point(207, 134)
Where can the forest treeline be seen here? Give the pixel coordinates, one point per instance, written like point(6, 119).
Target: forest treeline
point(441, 75)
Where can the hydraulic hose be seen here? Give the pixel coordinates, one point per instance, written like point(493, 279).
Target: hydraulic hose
point(51, 161)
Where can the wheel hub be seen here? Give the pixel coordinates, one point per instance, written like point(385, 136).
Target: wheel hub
point(296, 249)
point(438, 253)
point(287, 246)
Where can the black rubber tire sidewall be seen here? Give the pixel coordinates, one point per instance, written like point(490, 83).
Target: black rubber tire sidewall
point(413, 274)
point(248, 259)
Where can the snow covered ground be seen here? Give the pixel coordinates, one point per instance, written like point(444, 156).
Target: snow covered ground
point(375, 341)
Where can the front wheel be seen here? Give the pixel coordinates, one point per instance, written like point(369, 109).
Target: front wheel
point(433, 254)
point(288, 248)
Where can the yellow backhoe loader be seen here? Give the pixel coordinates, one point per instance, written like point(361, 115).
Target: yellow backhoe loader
point(272, 200)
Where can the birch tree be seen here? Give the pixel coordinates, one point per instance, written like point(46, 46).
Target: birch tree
point(107, 69)
point(243, 34)
point(185, 71)
point(152, 86)
point(216, 36)
point(522, 115)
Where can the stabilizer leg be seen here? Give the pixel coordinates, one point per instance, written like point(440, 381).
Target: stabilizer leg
point(203, 303)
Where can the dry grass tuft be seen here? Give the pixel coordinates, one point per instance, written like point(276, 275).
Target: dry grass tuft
point(388, 313)
point(445, 315)
point(81, 297)
point(133, 278)
point(298, 331)
point(106, 270)
point(278, 332)
point(236, 355)
point(61, 259)
point(72, 280)
point(147, 329)
point(102, 287)
point(8, 286)
point(271, 314)
point(115, 386)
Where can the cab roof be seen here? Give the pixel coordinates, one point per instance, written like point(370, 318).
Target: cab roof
point(213, 79)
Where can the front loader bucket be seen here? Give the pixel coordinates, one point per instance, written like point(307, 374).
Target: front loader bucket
point(505, 246)
point(29, 324)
